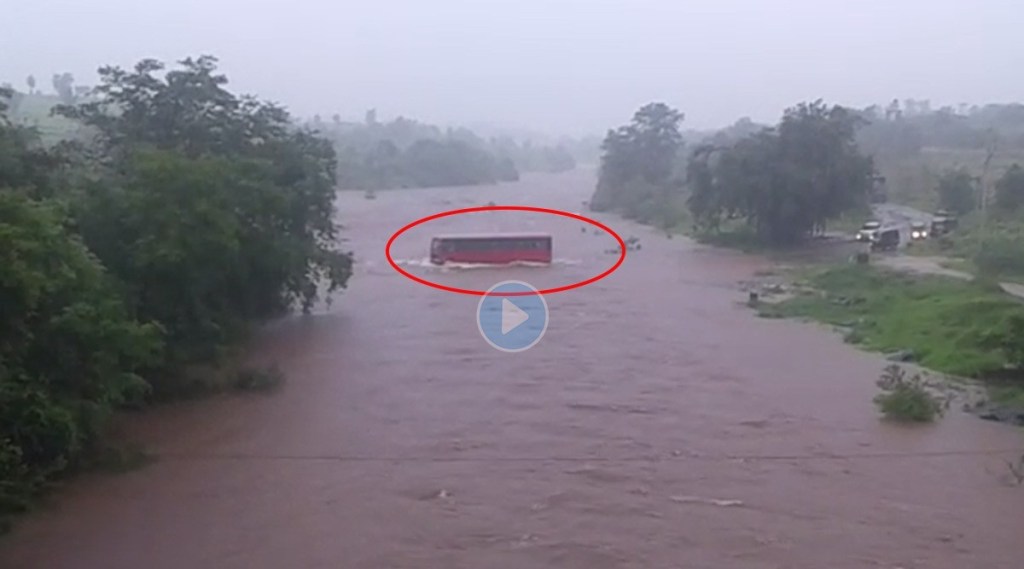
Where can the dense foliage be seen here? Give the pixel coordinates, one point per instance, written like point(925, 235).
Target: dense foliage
point(638, 167)
point(69, 349)
point(190, 215)
point(787, 182)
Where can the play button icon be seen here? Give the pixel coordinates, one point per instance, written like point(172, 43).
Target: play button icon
point(512, 316)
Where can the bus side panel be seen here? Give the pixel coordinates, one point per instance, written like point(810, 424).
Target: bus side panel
point(493, 251)
point(499, 256)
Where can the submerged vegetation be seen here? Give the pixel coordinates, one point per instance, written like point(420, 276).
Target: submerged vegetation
point(148, 247)
point(906, 399)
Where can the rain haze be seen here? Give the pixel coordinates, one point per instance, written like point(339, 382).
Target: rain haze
point(560, 67)
point(530, 284)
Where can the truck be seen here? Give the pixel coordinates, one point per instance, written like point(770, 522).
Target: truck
point(887, 239)
point(943, 222)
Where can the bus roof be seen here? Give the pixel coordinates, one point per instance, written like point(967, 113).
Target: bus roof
point(494, 236)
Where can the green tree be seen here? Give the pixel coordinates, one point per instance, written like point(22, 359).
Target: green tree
point(1010, 189)
point(192, 215)
point(212, 209)
point(785, 182)
point(646, 150)
point(957, 191)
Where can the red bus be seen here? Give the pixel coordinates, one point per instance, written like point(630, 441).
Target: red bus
point(498, 249)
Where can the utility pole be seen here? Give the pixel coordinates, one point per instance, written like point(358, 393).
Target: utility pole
point(991, 146)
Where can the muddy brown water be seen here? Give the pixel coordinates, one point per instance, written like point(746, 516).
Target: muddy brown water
point(658, 424)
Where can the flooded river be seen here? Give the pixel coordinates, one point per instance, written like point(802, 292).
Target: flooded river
point(658, 425)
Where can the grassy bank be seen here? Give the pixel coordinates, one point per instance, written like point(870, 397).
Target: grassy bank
point(954, 327)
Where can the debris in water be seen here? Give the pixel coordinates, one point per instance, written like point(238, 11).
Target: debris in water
point(444, 494)
point(709, 501)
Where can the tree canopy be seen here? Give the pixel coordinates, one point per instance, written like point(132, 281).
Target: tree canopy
point(187, 216)
point(639, 162)
point(785, 182)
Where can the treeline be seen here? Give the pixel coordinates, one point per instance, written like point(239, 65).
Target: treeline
point(899, 130)
point(781, 183)
point(404, 153)
point(961, 192)
point(916, 146)
point(142, 255)
point(64, 89)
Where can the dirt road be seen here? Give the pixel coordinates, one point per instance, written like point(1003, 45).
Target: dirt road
point(657, 425)
point(903, 216)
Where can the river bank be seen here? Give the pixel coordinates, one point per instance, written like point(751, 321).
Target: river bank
point(912, 308)
point(657, 420)
point(961, 330)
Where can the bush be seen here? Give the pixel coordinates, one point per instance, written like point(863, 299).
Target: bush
point(906, 400)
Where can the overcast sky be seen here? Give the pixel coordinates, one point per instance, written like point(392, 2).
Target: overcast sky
point(559, 66)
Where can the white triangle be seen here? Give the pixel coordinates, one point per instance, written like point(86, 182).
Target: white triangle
point(511, 316)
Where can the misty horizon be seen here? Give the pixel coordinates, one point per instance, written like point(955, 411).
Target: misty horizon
point(568, 68)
